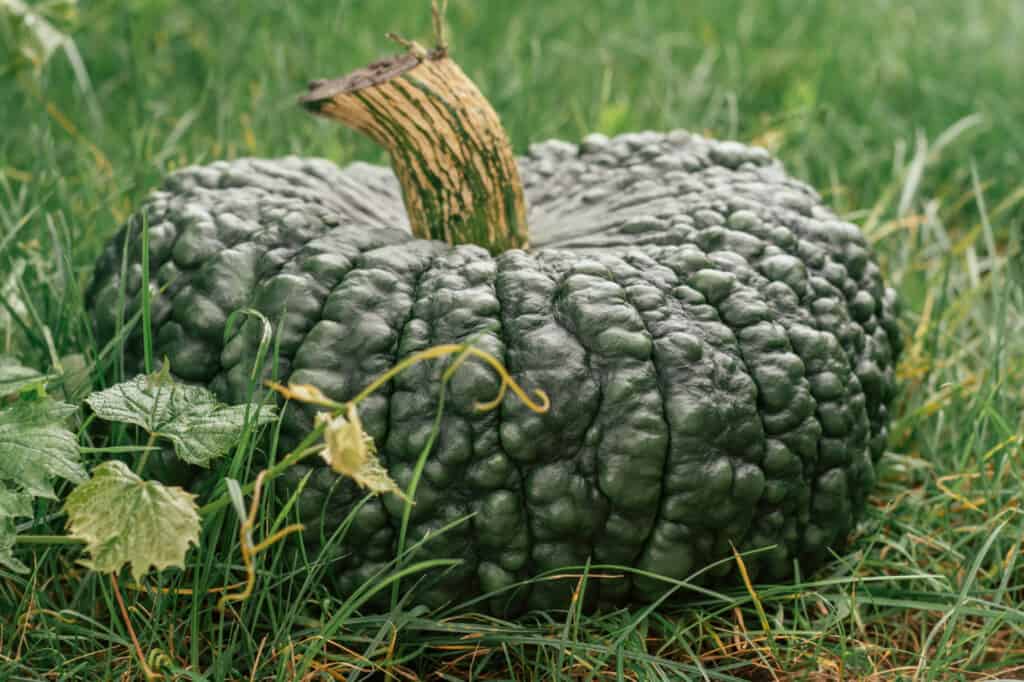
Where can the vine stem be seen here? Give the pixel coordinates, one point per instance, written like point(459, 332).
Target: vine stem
point(250, 550)
point(465, 350)
point(295, 456)
point(140, 466)
point(131, 630)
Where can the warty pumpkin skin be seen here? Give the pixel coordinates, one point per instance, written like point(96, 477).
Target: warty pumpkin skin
point(718, 348)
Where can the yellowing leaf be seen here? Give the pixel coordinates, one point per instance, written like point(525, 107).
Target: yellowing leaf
point(190, 417)
point(125, 520)
point(351, 452)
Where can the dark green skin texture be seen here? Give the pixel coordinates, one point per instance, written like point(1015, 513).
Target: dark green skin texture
point(718, 347)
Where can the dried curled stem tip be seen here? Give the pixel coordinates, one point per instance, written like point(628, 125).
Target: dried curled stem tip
point(457, 170)
point(440, 36)
point(411, 46)
point(440, 29)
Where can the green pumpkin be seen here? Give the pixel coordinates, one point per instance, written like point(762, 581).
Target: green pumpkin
point(718, 347)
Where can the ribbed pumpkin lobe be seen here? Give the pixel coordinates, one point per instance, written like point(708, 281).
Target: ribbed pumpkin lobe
point(459, 177)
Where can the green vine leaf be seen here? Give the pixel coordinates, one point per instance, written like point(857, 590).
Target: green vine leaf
point(36, 447)
point(125, 520)
point(16, 378)
point(351, 452)
point(201, 428)
point(7, 538)
point(12, 505)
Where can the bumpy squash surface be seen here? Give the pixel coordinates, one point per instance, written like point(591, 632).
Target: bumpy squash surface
point(718, 348)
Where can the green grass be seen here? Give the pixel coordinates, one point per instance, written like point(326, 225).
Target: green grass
point(906, 116)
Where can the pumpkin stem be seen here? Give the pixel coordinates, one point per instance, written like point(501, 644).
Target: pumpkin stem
point(459, 176)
